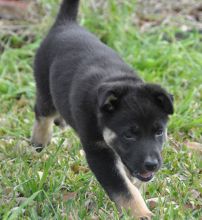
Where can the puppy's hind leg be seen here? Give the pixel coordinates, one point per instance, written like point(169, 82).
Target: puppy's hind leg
point(42, 132)
point(44, 116)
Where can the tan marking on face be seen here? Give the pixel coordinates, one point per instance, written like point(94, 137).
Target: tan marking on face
point(136, 203)
point(42, 131)
point(109, 136)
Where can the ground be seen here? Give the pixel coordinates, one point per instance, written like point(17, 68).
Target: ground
point(163, 42)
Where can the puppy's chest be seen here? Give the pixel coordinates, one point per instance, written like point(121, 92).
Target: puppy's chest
point(135, 181)
point(139, 184)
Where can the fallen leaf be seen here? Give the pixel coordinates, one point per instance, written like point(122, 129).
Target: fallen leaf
point(194, 146)
point(195, 194)
point(40, 174)
point(76, 168)
point(152, 202)
point(82, 152)
point(22, 102)
point(68, 196)
point(8, 190)
point(89, 205)
point(20, 200)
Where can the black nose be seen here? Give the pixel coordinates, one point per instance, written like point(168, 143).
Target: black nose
point(151, 164)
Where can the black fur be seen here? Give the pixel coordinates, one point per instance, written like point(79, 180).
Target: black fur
point(92, 88)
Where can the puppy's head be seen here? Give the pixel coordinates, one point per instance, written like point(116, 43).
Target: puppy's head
point(133, 120)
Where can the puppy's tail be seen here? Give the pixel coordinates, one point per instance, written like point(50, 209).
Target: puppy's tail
point(68, 11)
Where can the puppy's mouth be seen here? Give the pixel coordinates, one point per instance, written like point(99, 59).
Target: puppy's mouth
point(145, 177)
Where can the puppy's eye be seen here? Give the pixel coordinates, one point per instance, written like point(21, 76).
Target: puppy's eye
point(159, 132)
point(128, 135)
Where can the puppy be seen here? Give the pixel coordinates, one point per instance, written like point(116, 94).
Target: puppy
point(120, 119)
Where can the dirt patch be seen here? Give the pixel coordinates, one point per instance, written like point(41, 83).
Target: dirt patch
point(182, 14)
point(17, 16)
point(148, 14)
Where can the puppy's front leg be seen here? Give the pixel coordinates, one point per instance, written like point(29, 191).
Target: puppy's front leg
point(110, 172)
point(136, 203)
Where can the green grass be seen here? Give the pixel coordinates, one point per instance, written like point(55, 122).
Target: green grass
point(38, 186)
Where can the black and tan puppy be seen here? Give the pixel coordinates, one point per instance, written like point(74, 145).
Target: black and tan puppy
point(121, 120)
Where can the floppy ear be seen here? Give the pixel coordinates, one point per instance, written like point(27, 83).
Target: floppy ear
point(109, 96)
point(161, 97)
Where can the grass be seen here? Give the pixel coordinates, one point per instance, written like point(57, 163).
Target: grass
point(57, 184)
